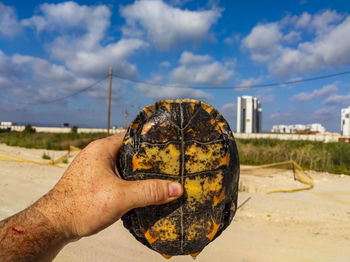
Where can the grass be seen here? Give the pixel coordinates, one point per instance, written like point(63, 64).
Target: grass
point(46, 156)
point(319, 156)
point(54, 141)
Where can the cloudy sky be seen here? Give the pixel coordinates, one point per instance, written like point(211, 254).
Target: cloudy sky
point(54, 49)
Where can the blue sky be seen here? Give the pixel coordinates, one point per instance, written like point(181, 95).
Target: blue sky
point(51, 49)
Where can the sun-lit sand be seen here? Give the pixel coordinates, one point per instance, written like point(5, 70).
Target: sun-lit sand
point(305, 226)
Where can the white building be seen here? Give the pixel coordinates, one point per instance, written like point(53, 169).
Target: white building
point(345, 121)
point(318, 128)
point(248, 115)
point(315, 128)
point(7, 124)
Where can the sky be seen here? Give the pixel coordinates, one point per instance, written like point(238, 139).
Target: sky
point(55, 58)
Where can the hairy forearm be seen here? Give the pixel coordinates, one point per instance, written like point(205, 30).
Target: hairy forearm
point(31, 235)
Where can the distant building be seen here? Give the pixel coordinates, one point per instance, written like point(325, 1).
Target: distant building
point(345, 121)
point(317, 128)
point(6, 124)
point(248, 115)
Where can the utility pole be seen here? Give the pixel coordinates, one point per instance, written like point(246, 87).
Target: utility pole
point(126, 119)
point(109, 100)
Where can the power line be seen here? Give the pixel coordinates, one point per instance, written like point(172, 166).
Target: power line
point(234, 87)
point(56, 99)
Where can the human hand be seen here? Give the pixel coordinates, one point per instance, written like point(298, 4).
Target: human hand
point(90, 196)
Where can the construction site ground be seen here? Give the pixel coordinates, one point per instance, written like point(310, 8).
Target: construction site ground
point(311, 225)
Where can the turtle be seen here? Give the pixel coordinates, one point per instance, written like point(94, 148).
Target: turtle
point(187, 141)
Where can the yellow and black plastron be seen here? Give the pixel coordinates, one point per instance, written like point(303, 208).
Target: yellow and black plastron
point(190, 142)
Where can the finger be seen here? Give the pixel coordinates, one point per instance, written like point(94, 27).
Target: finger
point(150, 192)
point(113, 143)
point(107, 146)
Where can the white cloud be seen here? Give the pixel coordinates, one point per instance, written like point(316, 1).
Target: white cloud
point(274, 116)
point(32, 79)
point(165, 92)
point(337, 99)
point(292, 37)
point(304, 20)
point(79, 44)
point(230, 40)
point(263, 41)
point(323, 21)
point(70, 15)
point(165, 64)
point(316, 93)
point(326, 113)
point(9, 25)
point(96, 63)
point(199, 69)
point(327, 50)
point(247, 83)
point(80, 30)
point(167, 26)
point(272, 44)
point(229, 111)
point(189, 58)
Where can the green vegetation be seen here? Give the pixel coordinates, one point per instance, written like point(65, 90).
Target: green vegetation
point(319, 156)
point(54, 141)
point(74, 129)
point(46, 156)
point(28, 129)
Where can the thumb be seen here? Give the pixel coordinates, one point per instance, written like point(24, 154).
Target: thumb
point(151, 192)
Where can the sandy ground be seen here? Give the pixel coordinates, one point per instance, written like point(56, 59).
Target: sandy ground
point(305, 226)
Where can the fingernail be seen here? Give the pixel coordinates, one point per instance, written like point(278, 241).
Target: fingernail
point(174, 189)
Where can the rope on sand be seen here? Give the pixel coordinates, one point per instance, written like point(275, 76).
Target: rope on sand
point(268, 169)
point(8, 158)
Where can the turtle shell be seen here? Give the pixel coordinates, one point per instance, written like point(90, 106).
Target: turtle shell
point(190, 142)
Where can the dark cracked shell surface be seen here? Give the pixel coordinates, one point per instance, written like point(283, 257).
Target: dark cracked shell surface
point(187, 141)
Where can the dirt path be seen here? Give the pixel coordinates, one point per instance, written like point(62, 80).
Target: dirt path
point(305, 226)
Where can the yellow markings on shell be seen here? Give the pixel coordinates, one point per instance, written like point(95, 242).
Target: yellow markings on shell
point(139, 164)
point(225, 160)
point(166, 104)
point(202, 158)
point(233, 208)
point(200, 189)
point(147, 127)
point(166, 256)
point(212, 121)
point(149, 110)
point(212, 234)
point(134, 126)
point(192, 106)
point(219, 198)
point(127, 141)
point(163, 230)
point(207, 108)
point(149, 238)
point(220, 127)
point(194, 255)
point(194, 230)
point(165, 158)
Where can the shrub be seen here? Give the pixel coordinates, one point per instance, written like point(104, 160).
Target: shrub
point(46, 156)
point(74, 130)
point(28, 129)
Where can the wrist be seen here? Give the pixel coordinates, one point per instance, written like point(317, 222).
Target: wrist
point(51, 208)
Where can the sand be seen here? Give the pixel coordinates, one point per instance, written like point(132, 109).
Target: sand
point(304, 226)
